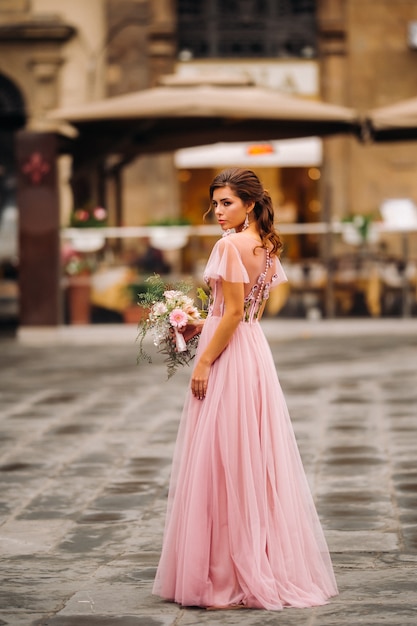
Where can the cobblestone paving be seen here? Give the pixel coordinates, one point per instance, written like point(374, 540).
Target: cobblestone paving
point(86, 440)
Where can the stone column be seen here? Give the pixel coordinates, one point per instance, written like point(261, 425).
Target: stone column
point(331, 17)
point(334, 89)
point(161, 39)
point(38, 203)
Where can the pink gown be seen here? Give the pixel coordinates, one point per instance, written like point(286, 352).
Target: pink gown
point(241, 526)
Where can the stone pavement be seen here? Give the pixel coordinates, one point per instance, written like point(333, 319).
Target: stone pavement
point(86, 439)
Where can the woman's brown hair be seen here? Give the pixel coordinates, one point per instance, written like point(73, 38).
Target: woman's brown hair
point(247, 186)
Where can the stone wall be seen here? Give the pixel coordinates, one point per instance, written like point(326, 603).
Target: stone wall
point(141, 48)
point(366, 61)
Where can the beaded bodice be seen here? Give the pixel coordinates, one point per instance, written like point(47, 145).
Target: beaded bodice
point(256, 289)
point(258, 294)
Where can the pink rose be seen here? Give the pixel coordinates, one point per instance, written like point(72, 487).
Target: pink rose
point(158, 309)
point(81, 215)
point(99, 213)
point(178, 318)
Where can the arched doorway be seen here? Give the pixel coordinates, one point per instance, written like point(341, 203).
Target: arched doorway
point(12, 118)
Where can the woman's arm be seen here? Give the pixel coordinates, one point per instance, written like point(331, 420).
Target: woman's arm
point(233, 294)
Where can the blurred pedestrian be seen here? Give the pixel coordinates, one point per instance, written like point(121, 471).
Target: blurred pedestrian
point(153, 261)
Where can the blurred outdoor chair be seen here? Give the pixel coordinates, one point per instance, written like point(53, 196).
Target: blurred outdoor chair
point(306, 287)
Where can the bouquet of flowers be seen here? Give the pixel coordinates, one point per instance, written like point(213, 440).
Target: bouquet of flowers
point(170, 310)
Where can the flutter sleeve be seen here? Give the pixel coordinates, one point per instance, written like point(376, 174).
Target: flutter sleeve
point(278, 276)
point(225, 262)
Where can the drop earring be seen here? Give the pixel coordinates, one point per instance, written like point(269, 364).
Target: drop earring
point(245, 223)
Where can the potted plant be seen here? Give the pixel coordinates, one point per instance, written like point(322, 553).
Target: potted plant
point(359, 229)
point(170, 233)
point(78, 267)
point(89, 216)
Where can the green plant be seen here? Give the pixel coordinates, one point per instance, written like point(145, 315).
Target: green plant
point(135, 289)
point(77, 263)
point(170, 221)
point(361, 222)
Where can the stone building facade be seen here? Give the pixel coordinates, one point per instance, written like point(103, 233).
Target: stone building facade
point(63, 54)
point(72, 52)
point(367, 60)
point(57, 54)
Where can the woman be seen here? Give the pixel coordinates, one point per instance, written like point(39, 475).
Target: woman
point(242, 530)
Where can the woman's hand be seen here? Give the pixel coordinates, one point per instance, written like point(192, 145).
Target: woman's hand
point(199, 380)
point(192, 329)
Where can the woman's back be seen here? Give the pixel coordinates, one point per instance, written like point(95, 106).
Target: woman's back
point(239, 257)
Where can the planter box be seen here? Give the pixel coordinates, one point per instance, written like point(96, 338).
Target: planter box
point(134, 314)
point(79, 299)
point(169, 237)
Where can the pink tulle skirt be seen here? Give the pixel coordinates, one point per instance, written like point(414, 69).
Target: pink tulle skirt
point(241, 524)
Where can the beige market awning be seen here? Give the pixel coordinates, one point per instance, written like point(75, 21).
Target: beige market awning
point(397, 122)
point(174, 116)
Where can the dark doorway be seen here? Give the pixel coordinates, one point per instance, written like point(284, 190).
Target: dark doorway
point(12, 118)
